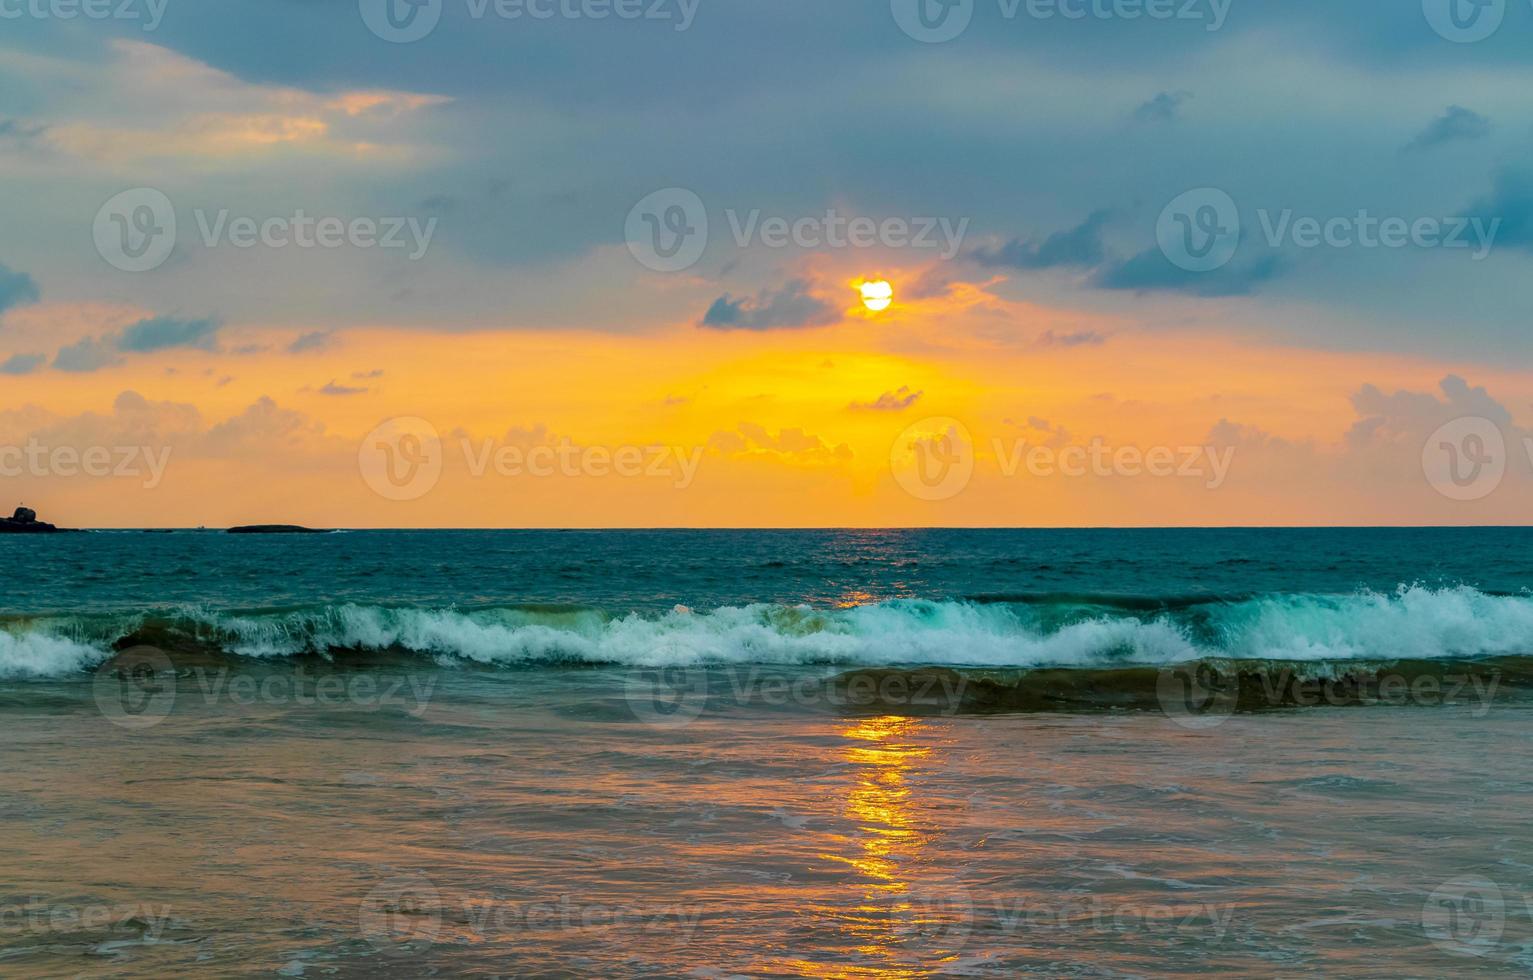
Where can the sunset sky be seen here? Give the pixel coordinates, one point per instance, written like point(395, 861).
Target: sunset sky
point(520, 310)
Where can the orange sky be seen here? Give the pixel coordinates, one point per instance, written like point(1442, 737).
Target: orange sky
point(779, 423)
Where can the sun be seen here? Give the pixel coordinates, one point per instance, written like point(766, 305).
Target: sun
point(877, 294)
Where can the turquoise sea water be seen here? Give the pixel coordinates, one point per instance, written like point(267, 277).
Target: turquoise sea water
point(818, 753)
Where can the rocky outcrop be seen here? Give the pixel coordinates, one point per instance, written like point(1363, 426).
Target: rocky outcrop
point(25, 521)
point(277, 529)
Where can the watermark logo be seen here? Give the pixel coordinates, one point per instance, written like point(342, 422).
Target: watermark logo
point(1464, 21)
point(674, 697)
point(1367, 230)
point(1211, 464)
point(401, 912)
point(667, 230)
point(1199, 695)
point(667, 697)
point(932, 21)
point(1195, 696)
point(402, 458)
point(1465, 459)
point(936, 918)
point(136, 688)
point(1199, 230)
point(401, 21)
point(1465, 916)
point(145, 463)
point(135, 231)
point(150, 12)
point(933, 459)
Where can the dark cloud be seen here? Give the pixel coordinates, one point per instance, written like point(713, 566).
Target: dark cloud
point(1079, 246)
point(1511, 202)
point(23, 363)
point(1080, 338)
point(16, 289)
point(89, 354)
point(1151, 271)
point(889, 401)
point(791, 305)
point(1163, 108)
point(1452, 126)
point(312, 341)
point(338, 389)
point(165, 332)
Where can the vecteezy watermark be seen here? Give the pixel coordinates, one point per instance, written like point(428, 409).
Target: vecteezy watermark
point(667, 230)
point(38, 917)
point(406, 913)
point(1466, 916)
point(1094, 914)
point(934, 459)
point(1464, 21)
point(1200, 231)
point(675, 697)
point(1211, 464)
point(136, 231)
point(1199, 695)
point(402, 459)
point(138, 688)
point(400, 913)
point(150, 12)
point(1366, 230)
point(404, 21)
point(146, 463)
point(935, 21)
point(1466, 458)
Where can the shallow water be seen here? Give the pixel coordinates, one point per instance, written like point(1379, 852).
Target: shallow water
point(507, 789)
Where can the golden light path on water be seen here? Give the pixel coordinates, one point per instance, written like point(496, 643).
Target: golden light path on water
point(884, 853)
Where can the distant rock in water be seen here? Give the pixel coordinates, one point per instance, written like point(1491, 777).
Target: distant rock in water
point(277, 529)
point(25, 521)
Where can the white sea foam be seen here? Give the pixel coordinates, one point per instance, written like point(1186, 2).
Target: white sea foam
point(35, 654)
point(1412, 622)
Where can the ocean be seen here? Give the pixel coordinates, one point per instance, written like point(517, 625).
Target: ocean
point(838, 753)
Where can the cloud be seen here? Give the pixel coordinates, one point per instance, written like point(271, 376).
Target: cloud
point(790, 305)
point(1041, 431)
point(1454, 125)
point(154, 103)
point(16, 289)
point(367, 375)
point(789, 445)
point(1078, 246)
point(1151, 271)
point(889, 401)
point(146, 336)
point(312, 341)
point(1080, 338)
point(164, 332)
point(263, 426)
point(18, 364)
point(1511, 202)
point(338, 389)
point(87, 354)
point(1407, 417)
point(1163, 108)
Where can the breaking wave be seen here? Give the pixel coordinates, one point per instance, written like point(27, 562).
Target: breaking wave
point(1411, 623)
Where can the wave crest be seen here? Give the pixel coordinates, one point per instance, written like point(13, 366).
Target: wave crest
point(1413, 622)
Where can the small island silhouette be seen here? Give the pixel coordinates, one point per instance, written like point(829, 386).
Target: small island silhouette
point(25, 521)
